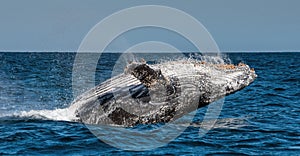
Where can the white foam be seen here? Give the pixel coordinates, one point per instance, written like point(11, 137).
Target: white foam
point(57, 114)
point(65, 114)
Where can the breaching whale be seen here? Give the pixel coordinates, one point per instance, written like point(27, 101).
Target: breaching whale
point(160, 93)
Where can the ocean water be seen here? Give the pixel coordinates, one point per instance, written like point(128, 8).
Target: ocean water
point(36, 88)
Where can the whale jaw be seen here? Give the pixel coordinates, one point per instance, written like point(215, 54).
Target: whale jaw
point(147, 94)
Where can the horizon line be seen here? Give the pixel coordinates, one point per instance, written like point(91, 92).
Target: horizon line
point(235, 51)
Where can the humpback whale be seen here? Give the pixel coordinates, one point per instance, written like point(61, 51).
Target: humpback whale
point(160, 93)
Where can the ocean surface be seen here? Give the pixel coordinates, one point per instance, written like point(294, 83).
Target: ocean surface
point(35, 88)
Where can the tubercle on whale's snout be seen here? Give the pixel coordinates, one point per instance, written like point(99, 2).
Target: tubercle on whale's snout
point(244, 80)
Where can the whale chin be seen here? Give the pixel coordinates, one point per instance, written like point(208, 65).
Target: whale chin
point(160, 93)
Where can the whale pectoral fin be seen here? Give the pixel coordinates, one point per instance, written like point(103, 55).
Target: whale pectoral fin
point(144, 73)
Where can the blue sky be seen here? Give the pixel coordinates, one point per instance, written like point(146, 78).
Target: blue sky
point(60, 25)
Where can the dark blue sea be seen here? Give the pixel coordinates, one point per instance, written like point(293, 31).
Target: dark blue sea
point(261, 119)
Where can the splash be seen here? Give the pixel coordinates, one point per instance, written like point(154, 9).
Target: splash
point(56, 115)
point(63, 114)
point(218, 58)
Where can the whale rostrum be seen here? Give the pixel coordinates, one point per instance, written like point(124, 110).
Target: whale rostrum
point(160, 93)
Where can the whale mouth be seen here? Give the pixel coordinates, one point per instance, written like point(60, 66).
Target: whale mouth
point(238, 76)
point(160, 93)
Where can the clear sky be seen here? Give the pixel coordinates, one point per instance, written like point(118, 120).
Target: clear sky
point(236, 25)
